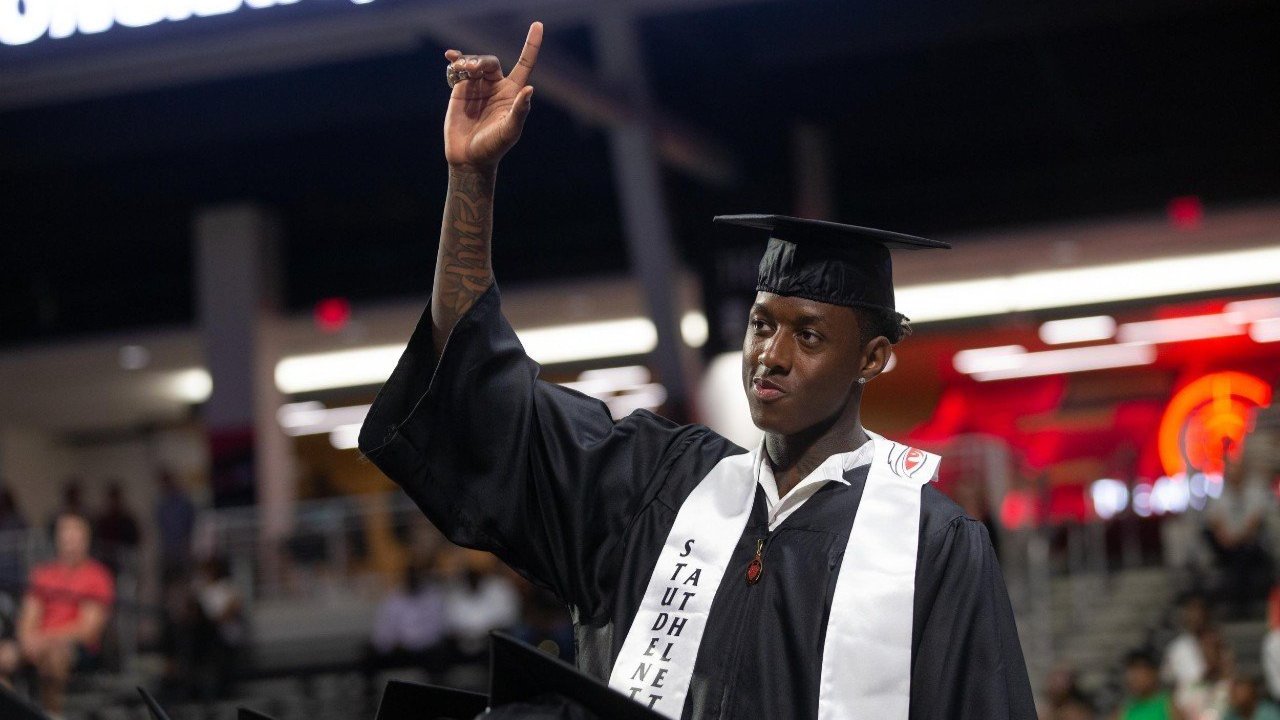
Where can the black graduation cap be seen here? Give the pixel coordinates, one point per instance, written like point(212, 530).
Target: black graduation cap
point(13, 707)
point(157, 712)
point(526, 683)
point(829, 262)
point(414, 701)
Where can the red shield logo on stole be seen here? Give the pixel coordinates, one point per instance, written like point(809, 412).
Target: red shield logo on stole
point(912, 460)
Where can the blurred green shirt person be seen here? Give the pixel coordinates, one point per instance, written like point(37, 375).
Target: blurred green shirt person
point(1146, 700)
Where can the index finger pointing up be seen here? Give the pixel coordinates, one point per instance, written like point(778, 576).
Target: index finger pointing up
point(528, 56)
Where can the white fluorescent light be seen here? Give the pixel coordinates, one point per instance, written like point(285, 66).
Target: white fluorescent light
point(1109, 497)
point(693, 327)
point(312, 418)
point(342, 368)
point(590, 341)
point(950, 300)
point(1196, 327)
point(987, 359)
point(1089, 285)
point(646, 397)
point(1254, 310)
point(1266, 331)
point(548, 346)
point(623, 389)
point(193, 385)
point(1056, 362)
point(1075, 330)
point(345, 437)
point(606, 381)
point(292, 414)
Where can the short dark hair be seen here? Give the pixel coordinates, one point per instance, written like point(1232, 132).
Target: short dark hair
point(874, 322)
point(1140, 656)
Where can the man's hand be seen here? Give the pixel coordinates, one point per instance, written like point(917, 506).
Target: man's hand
point(487, 111)
point(33, 645)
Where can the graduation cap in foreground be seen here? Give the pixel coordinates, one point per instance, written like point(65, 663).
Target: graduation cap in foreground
point(525, 682)
point(414, 701)
point(13, 707)
point(157, 712)
point(829, 262)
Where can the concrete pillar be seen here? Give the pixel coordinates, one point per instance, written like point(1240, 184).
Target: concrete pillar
point(638, 176)
point(34, 465)
point(239, 310)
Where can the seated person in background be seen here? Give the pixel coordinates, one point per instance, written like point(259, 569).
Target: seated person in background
point(1144, 698)
point(1074, 709)
point(116, 531)
point(1271, 645)
point(479, 598)
point(1062, 692)
point(10, 660)
point(1183, 663)
point(409, 627)
point(222, 605)
point(1234, 526)
point(65, 610)
point(1208, 699)
point(1247, 702)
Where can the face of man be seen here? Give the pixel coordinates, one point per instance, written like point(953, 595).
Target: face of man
point(1244, 696)
point(72, 537)
point(800, 362)
point(1195, 615)
point(1141, 679)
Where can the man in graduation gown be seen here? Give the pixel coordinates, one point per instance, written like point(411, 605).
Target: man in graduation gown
point(819, 575)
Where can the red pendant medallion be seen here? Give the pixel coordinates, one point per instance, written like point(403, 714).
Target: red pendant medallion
point(754, 570)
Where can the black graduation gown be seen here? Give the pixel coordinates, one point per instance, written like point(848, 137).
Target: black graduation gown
point(543, 477)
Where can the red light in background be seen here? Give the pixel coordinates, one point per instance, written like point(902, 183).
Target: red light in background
point(332, 314)
point(1018, 509)
point(1204, 413)
point(1186, 212)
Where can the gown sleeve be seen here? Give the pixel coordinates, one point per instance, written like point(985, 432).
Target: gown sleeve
point(535, 473)
point(968, 663)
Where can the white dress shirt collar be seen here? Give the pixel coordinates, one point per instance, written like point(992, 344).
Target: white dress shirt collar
point(831, 469)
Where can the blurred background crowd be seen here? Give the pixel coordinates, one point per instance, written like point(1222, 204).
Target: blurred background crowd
point(217, 231)
point(1136, 615)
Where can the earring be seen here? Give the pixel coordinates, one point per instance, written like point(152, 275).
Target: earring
point(862, 381)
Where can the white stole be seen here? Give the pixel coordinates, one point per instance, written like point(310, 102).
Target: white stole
point(866, 659)
point(866, 668)
point(656, 662)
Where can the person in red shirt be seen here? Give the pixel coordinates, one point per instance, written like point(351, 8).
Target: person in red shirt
point(65, 610)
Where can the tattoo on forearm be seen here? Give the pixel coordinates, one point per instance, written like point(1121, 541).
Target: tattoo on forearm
point(463, 267)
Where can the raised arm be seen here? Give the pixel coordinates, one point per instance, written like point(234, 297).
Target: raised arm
point(486, 114)
point(497, 459)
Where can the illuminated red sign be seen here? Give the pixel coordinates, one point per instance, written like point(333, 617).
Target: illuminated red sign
point(1207, 420)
